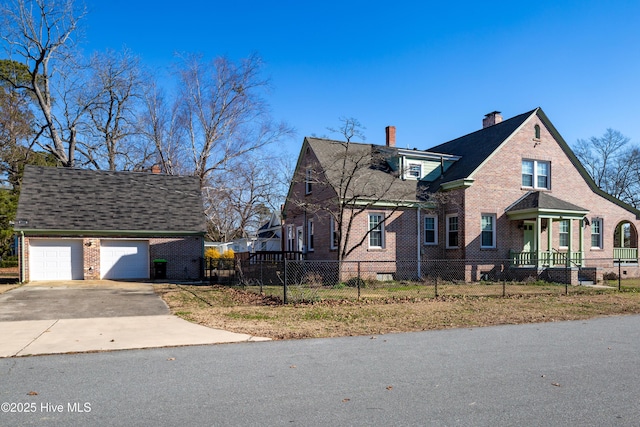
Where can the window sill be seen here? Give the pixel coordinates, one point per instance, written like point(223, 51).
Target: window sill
point(534, 188)
point(488, 248)
point(376, 249)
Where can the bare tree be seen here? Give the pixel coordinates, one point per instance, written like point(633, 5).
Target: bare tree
point(353, 179)
point(612, 163)
point(238, 205)
point(224, 114)
point(115, 90)
point(38, 34)
point(161, 126)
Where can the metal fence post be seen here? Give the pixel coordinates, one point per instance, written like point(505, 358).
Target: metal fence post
point(284, 284)
point(358, 280)
point(619, 273)
point(436, 286)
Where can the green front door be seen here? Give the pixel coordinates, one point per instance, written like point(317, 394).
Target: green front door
point(529, 243)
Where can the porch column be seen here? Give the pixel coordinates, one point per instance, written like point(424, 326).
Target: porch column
point(550, 241)
point(581, 242)
point(570, 244)
point(537, 242)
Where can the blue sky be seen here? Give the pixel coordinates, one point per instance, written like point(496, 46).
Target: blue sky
point(432, 69)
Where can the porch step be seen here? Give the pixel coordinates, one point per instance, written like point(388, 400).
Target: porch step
point(585, 282)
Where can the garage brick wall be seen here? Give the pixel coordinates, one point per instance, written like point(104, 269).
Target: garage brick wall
point(183, 255)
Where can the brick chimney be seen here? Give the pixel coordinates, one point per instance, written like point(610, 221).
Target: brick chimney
point(391, 136)
point(156, 169)
point(491, 119)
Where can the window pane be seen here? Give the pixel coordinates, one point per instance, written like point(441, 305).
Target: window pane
point(487, 231)
point(527, 173)
point(564, 233)
point(543, 168)
point(375, 236)
point(595, 234)
point(415, 170)
point(429, 230)
point(452, 236)
point(543, 175)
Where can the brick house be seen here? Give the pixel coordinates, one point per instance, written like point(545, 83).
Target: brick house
point(512, 190)
point(75, 224)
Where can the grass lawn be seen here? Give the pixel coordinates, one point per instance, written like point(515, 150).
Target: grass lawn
point(383, 311)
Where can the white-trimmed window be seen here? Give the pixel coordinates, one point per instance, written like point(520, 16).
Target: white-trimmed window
point(376, 230)
point(488, 231)
point(596, 233)
point(536, 174)
point(430, 230)
point(564, 233)
point(334, 234)
point(307, 181)
point(310, 236)
point(414, 170)
point(452, 231)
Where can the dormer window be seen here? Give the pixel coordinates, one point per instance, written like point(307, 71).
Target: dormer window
point(415, 170)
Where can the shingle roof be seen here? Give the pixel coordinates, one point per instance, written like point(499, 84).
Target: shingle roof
point(475, 148)
point(542, 200)
point(84, 200)
point(372, 177)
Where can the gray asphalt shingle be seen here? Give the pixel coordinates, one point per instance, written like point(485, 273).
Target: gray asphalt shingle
point(85, 200)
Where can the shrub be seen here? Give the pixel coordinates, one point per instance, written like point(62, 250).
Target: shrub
point(212, 253)
point(228, 254)
point(354, 282)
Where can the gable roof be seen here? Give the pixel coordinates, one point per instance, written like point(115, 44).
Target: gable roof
point(65, 199)
point(475, 148)
point(471, 150)
point(539, 200)
point(373, 177)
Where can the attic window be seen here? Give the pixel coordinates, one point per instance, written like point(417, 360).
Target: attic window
point(415, 170)
point(307, 181)
point(536, 130)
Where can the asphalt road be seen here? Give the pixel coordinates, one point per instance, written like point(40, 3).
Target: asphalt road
point(584, 373)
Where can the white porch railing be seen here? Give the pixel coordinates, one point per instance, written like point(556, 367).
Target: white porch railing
point(625, 254)
point(547, 259)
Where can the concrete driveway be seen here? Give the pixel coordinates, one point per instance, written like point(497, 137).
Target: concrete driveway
point(79, 316)
point(80, 300)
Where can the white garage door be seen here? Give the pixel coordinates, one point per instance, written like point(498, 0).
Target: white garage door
point(55, 260)
point(124, 259)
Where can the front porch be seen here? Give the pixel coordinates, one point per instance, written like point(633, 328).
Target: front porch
point(541, 259)
point(555, 258)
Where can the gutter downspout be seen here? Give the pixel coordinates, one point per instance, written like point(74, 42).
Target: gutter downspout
point(22, 252)
point(418, 244)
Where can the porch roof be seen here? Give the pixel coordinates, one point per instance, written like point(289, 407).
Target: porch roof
point(541, 204)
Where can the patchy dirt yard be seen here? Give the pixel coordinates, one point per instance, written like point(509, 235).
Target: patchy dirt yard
point(7, 287)
point(244, 312)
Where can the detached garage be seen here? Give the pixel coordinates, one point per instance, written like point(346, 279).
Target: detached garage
point(77, 224)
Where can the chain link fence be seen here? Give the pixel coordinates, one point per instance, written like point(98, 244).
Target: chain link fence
point(306, 281)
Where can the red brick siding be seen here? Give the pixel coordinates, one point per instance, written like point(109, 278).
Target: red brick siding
point(183, 255)
point(498, 184)
point(91, 256)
